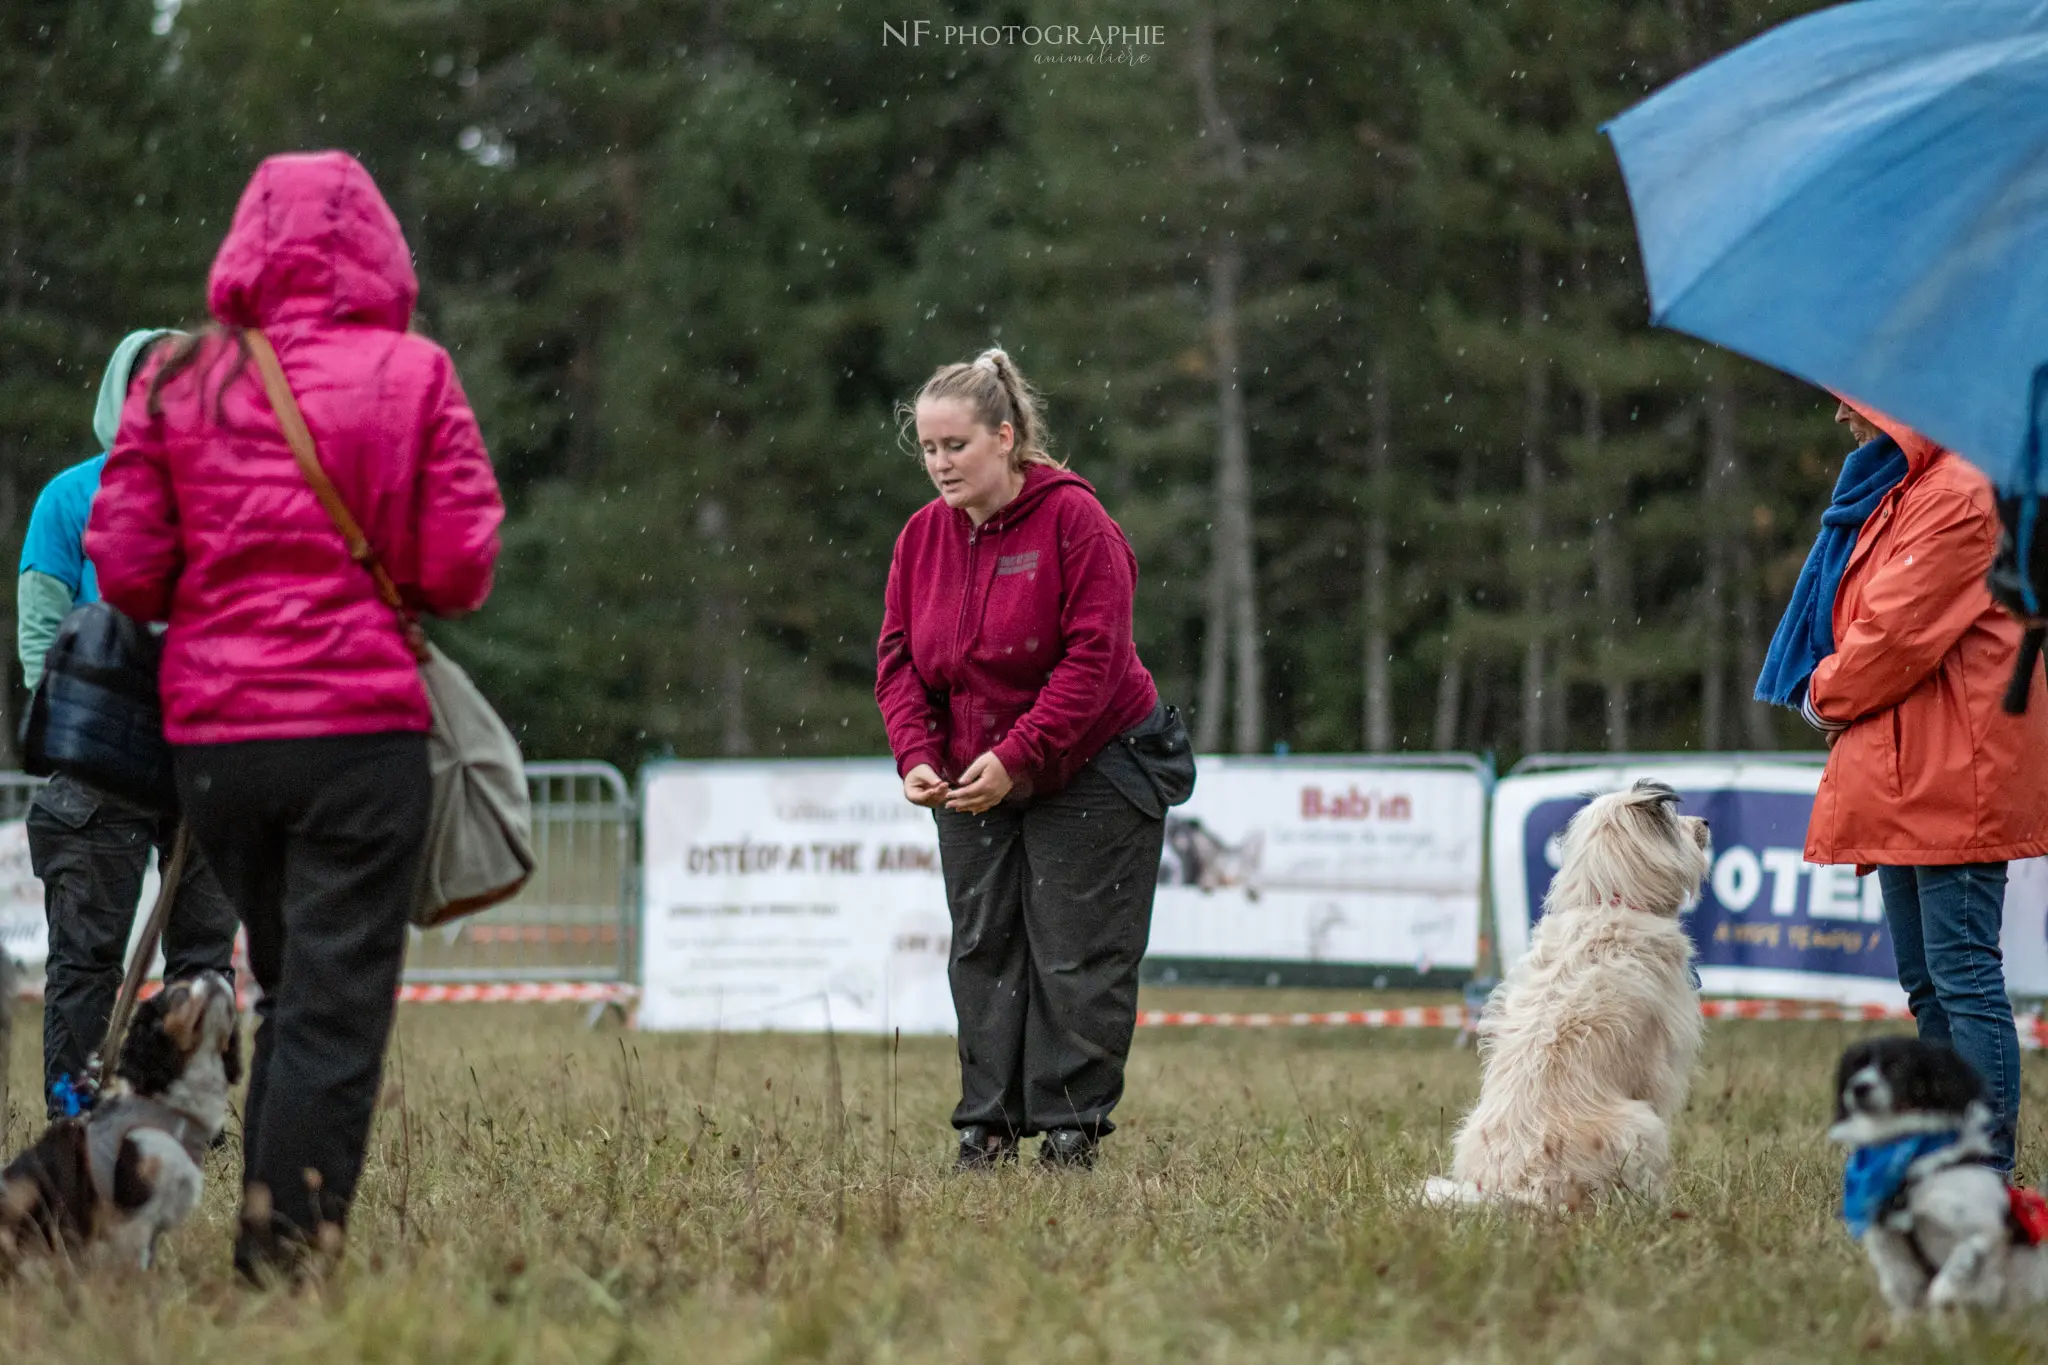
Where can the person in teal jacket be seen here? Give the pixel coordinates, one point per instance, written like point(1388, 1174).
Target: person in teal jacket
point(90, 848)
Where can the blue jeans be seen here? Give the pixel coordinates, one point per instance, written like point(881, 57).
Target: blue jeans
point(1945, 923)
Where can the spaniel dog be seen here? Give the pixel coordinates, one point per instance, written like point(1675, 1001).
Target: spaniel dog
point(1587, 1048)
point(130, 1169)
point(1943, 1229)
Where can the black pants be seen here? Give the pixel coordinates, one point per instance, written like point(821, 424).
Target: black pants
point(91, 851)
point(317, 842)
point(1052, 903)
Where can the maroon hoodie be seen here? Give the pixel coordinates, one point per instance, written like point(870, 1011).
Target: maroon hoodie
point(1013, 636)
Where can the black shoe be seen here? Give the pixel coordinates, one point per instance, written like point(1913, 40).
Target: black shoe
point(983, 1148)
point(272, 1254)
point(1070, 1149)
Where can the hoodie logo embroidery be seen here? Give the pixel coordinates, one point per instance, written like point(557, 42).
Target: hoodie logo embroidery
point(1027, 562)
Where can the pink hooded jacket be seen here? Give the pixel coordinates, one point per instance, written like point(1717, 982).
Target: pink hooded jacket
point(204, 520)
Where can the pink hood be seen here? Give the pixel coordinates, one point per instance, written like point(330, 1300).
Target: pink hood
point(313, 240)
point(204, 520)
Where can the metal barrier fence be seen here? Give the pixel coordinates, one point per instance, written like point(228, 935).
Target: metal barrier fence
point(16, 791)
point(576, 920)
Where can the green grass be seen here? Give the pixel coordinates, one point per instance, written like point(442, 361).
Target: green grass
point(539, 1192)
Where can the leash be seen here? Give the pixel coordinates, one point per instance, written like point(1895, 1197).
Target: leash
point(145, 952)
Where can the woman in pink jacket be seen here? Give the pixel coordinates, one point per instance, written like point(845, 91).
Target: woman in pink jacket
point(291, 695)
point(1020, 713)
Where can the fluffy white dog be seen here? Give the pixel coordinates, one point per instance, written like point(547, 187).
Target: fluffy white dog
point(1587, 1048)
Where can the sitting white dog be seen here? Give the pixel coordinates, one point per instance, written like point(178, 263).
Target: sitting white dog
point(1587, 1048)
point(1943, 1229)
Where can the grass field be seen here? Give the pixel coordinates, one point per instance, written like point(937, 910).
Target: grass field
point(540, 1192)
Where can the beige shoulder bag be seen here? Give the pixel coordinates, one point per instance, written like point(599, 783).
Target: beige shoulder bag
point(479, 848)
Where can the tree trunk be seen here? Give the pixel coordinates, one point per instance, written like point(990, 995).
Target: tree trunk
point(12, 297)
point(1535, 407)
point(1450, 693)
point(16, 292)
point(724, 623)
point(1379, 702)
point(9, 625)
point(1610, 586)
point(1214, 701)
point(1234, 603)
point(1715, 517)
point(1758, 732)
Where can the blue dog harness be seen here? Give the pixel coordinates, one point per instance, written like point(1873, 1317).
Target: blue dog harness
point(1876, 1178)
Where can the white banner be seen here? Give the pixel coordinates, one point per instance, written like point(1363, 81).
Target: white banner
point(24, 933)
point(790, 895)
point(24, 929)
point(783, 895)
point(1291, 861)
point(1768, 923)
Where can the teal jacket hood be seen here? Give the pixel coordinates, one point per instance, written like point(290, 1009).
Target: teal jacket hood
point(106, 413)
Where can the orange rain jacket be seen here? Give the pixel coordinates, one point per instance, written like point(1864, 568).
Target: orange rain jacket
point(1931, 771)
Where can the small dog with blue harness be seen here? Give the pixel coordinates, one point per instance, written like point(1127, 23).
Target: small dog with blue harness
point(1942, 1227)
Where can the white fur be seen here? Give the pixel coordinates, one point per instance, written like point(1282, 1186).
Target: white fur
point(1958, 1215)
point(1587, 1049)
point(175, 1186)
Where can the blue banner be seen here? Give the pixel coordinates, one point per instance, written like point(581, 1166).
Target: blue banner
point(1763, 905)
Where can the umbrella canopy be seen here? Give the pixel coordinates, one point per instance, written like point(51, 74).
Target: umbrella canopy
point(1860, 198)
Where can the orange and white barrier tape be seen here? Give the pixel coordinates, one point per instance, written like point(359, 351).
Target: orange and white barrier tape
point(1456, 1016)
point(1799, 1010)
point(518, 993)
point(1432, 1016)
point(2033, 1028)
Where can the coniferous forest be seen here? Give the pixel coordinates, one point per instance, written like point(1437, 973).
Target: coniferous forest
point(1334, 301)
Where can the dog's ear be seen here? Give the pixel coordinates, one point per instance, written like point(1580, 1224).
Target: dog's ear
point(1854, 1059)
point(151, 1059)
point(1656, 805)
point(1652, 793)
point(184, 1014)
point(1933, 1079)
point(231, 1052)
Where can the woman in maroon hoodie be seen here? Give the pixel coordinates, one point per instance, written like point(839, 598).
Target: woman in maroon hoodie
point(1019, 712)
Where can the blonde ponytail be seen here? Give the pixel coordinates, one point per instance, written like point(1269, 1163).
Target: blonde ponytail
point(997, 391)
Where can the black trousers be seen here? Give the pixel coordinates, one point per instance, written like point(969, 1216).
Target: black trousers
point(317, 842)
point(1051, 902)
point(91, 850)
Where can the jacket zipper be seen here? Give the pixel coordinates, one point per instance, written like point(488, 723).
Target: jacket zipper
point(960, 620)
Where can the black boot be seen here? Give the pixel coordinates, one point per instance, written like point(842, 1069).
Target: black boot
point(1068, 1149)
point(983, 1148)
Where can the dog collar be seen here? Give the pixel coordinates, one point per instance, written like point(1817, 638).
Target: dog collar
point(1874, 1176)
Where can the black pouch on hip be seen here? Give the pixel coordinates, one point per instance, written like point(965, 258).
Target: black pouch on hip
point(1152, 764)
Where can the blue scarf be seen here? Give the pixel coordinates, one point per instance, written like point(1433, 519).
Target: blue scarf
point(1806, 634)
point(1874, 1174)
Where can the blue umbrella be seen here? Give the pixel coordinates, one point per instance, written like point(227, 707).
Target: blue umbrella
point(1860, 198)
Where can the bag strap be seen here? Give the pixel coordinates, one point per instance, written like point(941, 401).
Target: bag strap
point(286, 406)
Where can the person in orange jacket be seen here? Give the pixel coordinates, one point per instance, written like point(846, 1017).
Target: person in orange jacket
point(1928, 779)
